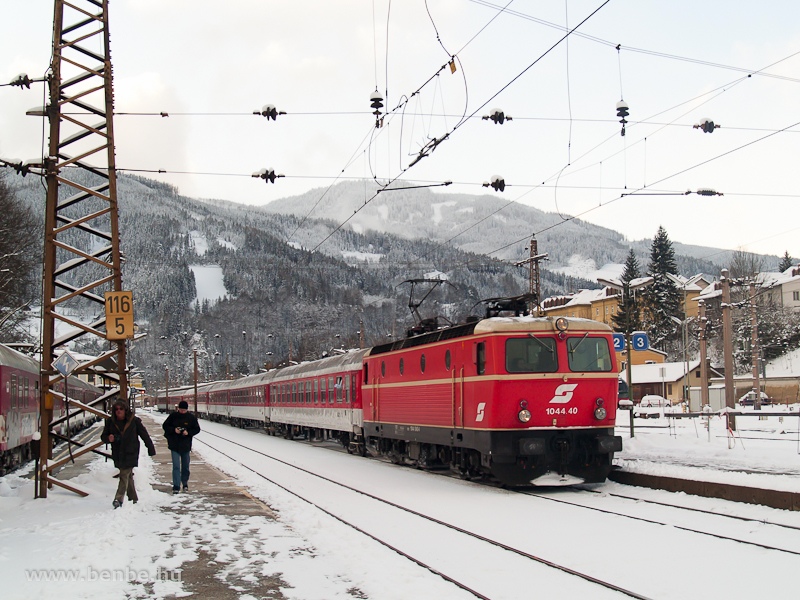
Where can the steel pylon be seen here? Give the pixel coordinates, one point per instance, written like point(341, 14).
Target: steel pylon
point(82, 257)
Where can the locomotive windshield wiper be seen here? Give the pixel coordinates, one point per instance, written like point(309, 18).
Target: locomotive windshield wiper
point(576, 346)
point(542, 344)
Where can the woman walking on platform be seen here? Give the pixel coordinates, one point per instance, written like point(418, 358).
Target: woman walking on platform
point(122, 430)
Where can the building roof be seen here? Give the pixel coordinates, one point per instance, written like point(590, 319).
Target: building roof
point(767, 280)
point(652, 373)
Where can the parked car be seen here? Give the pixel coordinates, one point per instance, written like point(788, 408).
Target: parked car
point(750, 397)
point(654, 401)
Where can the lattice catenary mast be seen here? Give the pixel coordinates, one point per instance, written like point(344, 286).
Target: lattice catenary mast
point(82, 262)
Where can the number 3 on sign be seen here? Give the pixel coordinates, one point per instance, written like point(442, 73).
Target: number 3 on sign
point(119, 315)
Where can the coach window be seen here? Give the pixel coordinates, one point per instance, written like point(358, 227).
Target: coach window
point(316, 391)
point(480, 358)
point(447, 360)
point(13, 391)
point(383, 369)
point(331, 391)
point(402, 366)
point(347, 389)
point(339, 389)
point(308, 392)
point(422, 363)
point(294, 393)
point(322, 390)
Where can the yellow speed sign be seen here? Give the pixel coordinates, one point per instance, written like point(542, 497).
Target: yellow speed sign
point(119, 315)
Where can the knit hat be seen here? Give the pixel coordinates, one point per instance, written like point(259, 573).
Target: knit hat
point(183, 404)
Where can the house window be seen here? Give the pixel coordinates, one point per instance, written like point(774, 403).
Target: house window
point(796, 296)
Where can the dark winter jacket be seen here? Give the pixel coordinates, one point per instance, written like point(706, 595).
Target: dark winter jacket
point(177, 441)
point(126, 432)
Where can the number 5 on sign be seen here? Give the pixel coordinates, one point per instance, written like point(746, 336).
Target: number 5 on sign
point(119, 315)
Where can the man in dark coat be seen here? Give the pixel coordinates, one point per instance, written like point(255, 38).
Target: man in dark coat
point(122, 430)
point(179, 429)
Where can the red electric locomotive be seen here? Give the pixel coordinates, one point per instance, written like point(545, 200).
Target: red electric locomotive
point(524, 400)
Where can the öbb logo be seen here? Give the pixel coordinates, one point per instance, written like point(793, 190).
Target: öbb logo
point(563, 393)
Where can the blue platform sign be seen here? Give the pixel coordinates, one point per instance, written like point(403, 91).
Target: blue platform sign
point(619, 341)
point(639, 340)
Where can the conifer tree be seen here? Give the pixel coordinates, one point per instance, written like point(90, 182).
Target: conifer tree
point(662, 299)
point(786, 262)
point(20, 257)
point(628, 317)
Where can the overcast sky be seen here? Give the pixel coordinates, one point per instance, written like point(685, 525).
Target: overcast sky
point(319, 61)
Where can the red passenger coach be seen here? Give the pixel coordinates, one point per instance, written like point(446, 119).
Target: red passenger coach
point(323, 396)
point(19, 406)
point(525, 400)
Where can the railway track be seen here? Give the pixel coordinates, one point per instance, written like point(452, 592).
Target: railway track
point(714, 523)
point(487, 549)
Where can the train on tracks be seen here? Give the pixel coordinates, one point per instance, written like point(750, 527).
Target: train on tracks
point(20, 385)
point(521, 400)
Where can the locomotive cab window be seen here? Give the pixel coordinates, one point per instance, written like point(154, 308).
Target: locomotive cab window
point(531, 355)
point(480, 357)
point(588, 354)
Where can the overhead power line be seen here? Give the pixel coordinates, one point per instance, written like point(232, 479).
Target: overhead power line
point(631, 48)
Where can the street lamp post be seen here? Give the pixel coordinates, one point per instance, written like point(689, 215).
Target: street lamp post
point(194, 353)
point(166, 386)
point(627, 288)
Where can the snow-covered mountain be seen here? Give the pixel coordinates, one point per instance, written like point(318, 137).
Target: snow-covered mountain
point(483, 224)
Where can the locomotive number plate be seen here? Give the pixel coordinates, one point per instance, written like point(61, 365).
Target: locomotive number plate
point(561, 410)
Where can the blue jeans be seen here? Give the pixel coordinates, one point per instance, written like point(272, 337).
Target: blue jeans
point(180, 469)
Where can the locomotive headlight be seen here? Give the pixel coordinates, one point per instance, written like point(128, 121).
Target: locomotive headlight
point(562, 324)
point(524, 415)
point(600, 412)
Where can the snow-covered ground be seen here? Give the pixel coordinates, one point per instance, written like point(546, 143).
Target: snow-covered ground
point(138, 551)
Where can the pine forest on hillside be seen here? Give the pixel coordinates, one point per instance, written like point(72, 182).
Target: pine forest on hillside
point(285, 302)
